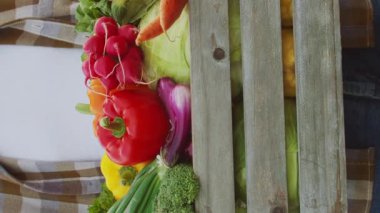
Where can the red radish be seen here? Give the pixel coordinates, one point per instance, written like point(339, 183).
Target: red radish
point(106, 27)
point(129, 32)
point(128, 71)
point(86, 69)
point(110, 83)
point(116, 46)
point(95, 44)
point(88, 66)
point(92, 59)
point(135, 53)
point(94, 56)
point(104, 66)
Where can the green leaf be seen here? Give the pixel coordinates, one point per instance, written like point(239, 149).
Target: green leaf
point(138, 8)
point(81, 27)
point(85, 3)
point(130, 11)
point(119, 11)
point(90, 13)
point(79, 14)
point(104, 7)
point(84, 25)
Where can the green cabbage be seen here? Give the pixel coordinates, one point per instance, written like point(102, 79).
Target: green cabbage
point(163, 57)
point(169, 55)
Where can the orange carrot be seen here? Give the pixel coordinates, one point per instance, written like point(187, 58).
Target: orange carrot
point(150, 31)
point(170, 10)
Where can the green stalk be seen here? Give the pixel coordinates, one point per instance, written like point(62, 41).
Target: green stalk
point(134, 187)
point(148, 195)
point(114, 206)
point(117, 126)
point(146, 169)
point(152, 199)
point(140, 193)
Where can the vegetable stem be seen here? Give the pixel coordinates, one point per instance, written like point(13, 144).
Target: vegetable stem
point(127, 174)
point(117, 126)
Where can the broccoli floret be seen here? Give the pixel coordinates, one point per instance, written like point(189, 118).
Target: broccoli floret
point(103, 202)
point(178, 190)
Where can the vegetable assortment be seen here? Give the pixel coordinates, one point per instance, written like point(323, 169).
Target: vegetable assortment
point(136, 67)
point(145, 131)
point(164, 185)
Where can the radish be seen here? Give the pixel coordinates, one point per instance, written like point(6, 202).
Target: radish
point(95, 44)
point(106, 27)
point(116, 46)
point(88, 66)
point(128, 71)
point(129, 32)
point(92, 59)
point(110, 83)
point(135, 53)
point(104, 66)
point(86, 69)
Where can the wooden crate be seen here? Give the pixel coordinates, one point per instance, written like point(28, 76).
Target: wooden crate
point(322, 183)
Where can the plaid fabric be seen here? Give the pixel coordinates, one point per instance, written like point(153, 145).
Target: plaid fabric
point(360, 177)
point(39, 22)
point(35, 186)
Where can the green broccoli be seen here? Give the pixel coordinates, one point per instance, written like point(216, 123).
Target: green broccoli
point(103, 202)
point(178, 190)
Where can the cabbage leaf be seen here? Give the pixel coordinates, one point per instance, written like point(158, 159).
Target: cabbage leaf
point(169, 55)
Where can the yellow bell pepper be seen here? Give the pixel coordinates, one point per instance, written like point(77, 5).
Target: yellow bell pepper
point(288, 62)
point(118, 177)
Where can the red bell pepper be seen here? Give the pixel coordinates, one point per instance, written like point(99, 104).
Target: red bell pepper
point(134, 127)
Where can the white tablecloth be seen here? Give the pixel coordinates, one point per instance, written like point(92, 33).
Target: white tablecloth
point(39, 88)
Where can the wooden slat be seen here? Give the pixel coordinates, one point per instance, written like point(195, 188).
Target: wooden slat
point(263, 106)
point(320, 106)
point(211, 105)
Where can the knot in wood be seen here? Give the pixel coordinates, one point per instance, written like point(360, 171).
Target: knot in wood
point(278, 209)
point(219, 54)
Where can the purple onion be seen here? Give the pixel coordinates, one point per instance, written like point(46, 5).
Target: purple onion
point(177, 101)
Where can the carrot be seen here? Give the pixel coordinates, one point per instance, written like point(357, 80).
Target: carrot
point(150, 31)
point(170, 10)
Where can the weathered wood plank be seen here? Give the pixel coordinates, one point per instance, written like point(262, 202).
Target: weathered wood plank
point(263, 106)
point(320, 106)
point(211, 105)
